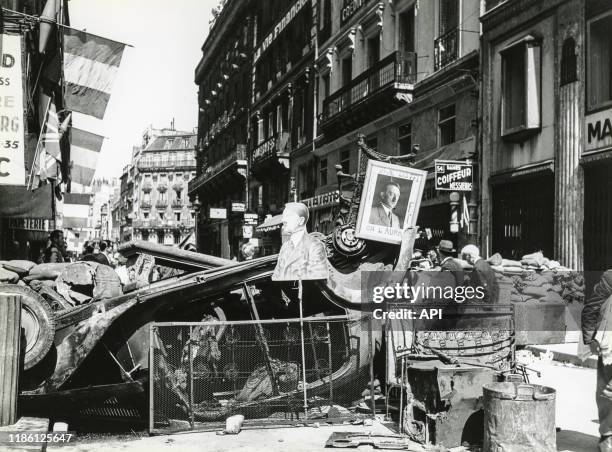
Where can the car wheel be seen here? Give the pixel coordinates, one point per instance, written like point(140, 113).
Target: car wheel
point(37, 320)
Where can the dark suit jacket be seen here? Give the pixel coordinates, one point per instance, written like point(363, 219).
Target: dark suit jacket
point(593, 307)
point(378, 216)
point(455, 268)
point(484, 276)
point(306, 260)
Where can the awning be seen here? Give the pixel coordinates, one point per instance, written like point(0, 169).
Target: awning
point(18, 202)
point(271, 224)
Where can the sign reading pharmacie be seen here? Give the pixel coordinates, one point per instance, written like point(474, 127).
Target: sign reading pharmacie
point(12, 168)
point(279, 27)
point(598, 130)
point(454, 175)
point(328, 199)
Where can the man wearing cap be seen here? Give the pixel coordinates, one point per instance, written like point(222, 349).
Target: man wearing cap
point(382, 213)
point(303, 256)
point(448, 263)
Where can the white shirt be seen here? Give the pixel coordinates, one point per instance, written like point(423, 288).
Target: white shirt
point(296, 237)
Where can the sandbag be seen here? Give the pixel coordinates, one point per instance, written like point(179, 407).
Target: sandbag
point(38, 284)
point(536, 292)
point(46, 271)
point(106, 283)
point(538, 257)
point(21, 267)
point(90, 279)
point(552, 297)
point(497, 268)
point(7, 276)
point(510, 263)
point(496, 259)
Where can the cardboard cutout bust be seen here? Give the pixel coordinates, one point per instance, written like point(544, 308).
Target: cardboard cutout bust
point(303, 256)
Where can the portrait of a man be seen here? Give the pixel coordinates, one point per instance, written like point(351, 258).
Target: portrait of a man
point(389, 202)
point(302, 256)
point(382, 210)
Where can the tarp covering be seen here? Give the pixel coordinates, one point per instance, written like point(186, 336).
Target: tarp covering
point(18, 202)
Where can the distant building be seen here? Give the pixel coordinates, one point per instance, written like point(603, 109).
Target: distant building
point(154, 205)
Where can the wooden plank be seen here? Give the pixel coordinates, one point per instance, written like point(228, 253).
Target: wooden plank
point(10, 339)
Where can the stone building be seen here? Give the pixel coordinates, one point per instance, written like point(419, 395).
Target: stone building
point(155, 205)
point(547, 138)
point(405, 75)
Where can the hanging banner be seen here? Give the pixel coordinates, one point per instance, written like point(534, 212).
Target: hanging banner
point(12, 168)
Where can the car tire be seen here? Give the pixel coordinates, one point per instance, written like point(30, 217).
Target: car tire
point(38, 321)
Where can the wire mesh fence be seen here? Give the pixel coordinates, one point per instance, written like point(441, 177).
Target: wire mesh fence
point(202, 373)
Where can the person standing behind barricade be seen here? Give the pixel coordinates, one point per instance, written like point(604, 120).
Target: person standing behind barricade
point(482, 275)
point(448, 263)
point(596, 319)
point(55, 252)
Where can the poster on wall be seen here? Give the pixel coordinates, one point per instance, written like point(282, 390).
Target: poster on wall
point(390, 201)
point(12, 168)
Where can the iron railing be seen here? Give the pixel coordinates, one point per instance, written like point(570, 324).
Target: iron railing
point(238, 154)
point(149, 164)
point(399, 67)
point(446, 49)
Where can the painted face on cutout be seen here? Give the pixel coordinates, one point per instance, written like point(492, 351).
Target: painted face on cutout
point(292, 222)
point(390, 196)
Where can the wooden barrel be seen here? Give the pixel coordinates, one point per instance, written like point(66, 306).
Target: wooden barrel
point(519, 417)
point(10, 336)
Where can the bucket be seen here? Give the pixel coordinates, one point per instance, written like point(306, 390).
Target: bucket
point(519, 417)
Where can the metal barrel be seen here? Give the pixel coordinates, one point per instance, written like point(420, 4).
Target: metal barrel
point(519, 417)
point(10, 337)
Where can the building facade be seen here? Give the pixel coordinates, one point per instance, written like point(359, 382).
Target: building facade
point(405, 76)
point(224, 79)
point(546, 130)
point(154, 203)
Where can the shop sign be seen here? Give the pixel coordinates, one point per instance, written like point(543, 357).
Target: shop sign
point(598, 130)
point(217, 214)
point(454, 175)
point(12, 169)
point(247, 231)
point(349, 8)
point(32, 224)
point(279, 27)
point(238, 207)
point(328, 199)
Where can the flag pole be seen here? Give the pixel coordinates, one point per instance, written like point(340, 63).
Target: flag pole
point(37, 19)
point(36, 153)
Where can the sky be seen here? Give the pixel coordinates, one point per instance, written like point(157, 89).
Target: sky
point(155, 82)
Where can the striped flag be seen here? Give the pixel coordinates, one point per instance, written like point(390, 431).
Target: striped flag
point(76, 210)
point(90, 67)
point(84, 151)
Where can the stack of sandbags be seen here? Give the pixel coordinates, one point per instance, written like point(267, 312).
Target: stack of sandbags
point(12, 271)
point(535, 278)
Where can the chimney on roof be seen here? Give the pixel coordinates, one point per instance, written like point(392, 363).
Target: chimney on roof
point(172, 124)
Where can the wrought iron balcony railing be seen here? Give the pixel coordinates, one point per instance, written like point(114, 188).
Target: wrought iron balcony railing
point(446, 49)
point(398, 67)
point(159, 164)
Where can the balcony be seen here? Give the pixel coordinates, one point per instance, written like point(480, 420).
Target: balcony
point(231, 169)
point(157, 164)
point(376, 91)
point(267, 156)
point(145, 204)
point(446, 49)
point(177, 203)
point(161, 204)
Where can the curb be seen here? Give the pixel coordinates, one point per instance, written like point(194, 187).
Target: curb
point(590, 362)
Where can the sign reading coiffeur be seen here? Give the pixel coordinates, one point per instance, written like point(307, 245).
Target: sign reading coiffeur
point(454, 175)
point(12, 169)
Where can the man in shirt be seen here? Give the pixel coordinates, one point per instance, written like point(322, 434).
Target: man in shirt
point(448, 263)
point(56, 250)
point(591, 317)
point(382, 213)
point(303, 256)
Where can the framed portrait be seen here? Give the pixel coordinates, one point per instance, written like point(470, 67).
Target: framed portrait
point(390, 201)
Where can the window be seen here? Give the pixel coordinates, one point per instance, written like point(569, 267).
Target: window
point(373, 50)
point(406, 30)
point(345, 161)
point(446, 125)
point(160, 237)
point(599, 64)
point(177, 216)
point(449, 16)
point(323, 172)
point(145, 235)
point(405, 138)
point(326, 85)
point(161, 216)
point(347, 70)
point(145, 215)
point(521, 89)
point(177, 237)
